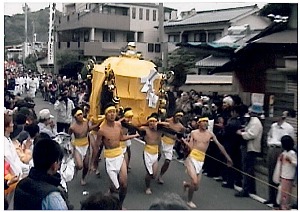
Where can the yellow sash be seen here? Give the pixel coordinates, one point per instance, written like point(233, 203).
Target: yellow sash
point(168, 140)
point(197, 155)
point(112, 153)
point(123, 144)
point(151, 149)
point(81, 141)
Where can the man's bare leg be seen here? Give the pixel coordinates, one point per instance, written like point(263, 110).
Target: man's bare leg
point(163, 170)
point(123, 182)
point(194, 184)
point(85, 168)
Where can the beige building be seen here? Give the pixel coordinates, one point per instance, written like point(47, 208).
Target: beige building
point(103, 29)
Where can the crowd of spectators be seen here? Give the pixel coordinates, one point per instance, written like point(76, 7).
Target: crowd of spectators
point(229, 119)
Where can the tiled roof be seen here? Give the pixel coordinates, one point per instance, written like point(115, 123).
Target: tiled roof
point(208, 79)
point(212, 61)
point(287, 36)
point(212, 16)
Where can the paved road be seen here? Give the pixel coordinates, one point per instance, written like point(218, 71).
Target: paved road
point(210, 196)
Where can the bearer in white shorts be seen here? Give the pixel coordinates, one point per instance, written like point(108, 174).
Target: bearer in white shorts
point(79, 129)
point(152, 141)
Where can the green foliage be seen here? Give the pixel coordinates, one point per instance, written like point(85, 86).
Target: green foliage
point(37, 22)
point(180, 61)
point(63, 57)
point(30, 62)
point(282, 9)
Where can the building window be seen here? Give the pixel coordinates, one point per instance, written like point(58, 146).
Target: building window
point(141, 13)
point(200, 37)
point(173, 38)
point(68, 44)
point(86, 36)
point(140, 36)
point(133, 13)
point(130, 37)
point(109, 36)
point(154, 15)
point(157, 47)
point(211, 37)
point(147, 14)
point(150, 47)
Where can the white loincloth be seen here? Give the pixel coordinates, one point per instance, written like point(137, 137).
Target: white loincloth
point(167, 150)
point(197, 165)
point(82, 150)
point(149, 160)
point(113, 167)
point(128, 142)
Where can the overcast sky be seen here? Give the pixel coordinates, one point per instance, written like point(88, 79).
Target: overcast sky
point(11, 7)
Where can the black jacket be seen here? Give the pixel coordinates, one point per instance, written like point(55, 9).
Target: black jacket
point(31, 190)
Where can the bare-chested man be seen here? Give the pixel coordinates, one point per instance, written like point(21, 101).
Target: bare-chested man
point(80, 130)
point(110, 133)
point(168, 141)
point(152, 140)
point(128, 115)
point(198, 144)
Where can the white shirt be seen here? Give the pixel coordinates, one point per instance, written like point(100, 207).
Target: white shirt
point(276, 132)
point(64, 114)
point(253, 134)
point(11, 157)
point(45, 129)
point(288, 169)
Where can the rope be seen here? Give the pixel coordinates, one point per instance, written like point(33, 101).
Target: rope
point(244, 173)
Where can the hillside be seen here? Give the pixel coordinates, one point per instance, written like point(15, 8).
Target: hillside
point(14, 27)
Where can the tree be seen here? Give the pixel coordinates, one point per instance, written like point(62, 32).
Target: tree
point(63, 57)
point(282, 9)
point(180, 73)
point(30, 62)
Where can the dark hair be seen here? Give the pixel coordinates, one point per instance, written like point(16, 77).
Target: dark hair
point(45, 153)
point(32, 129)
point(74, 111)
point(98, 201)
point(170, 201)
point(287, 142)
point(109, 105)
point(20, 118)
point(127, 109)
point(154, 115)
point(178, 111)
point(239, 110)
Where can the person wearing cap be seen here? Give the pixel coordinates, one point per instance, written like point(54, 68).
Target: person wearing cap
point(250, 148)
point(198, 144)
point(64, 107)
point(152, 140)
point(110, 134)
point(44, 121)
point(168, 141)
point(80, 129)
point(276, 132)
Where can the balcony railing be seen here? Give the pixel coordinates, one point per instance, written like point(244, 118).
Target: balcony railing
point(93, 20)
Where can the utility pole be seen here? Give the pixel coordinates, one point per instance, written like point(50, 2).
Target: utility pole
point(51, 37)
point(25, 10)
point(163, 44)
point(33, 38)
